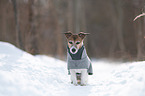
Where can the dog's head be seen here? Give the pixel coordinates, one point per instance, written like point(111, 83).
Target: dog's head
point(75, 41)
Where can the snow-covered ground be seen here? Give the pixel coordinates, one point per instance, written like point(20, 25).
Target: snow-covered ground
point(22, 74)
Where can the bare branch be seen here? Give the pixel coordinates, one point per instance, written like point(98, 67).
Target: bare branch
point(143, 14)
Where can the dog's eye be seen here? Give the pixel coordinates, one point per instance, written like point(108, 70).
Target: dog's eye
point(78, 43)
point(70, 42)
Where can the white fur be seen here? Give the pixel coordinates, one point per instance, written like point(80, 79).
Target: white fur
point(74, 48)
point(84, 76)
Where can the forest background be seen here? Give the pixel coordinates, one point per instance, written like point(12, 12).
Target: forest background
point(37, 26)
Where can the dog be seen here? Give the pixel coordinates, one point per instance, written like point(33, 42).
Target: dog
point(78, 63)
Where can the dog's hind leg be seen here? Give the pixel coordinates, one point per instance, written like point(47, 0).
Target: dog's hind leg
point(78, 78)
point(84, 77)
point(73, 77)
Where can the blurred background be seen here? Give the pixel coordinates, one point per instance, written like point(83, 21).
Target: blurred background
point(37, 26)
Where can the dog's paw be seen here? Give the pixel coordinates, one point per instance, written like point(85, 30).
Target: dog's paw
point(76, 84)
point(83, 84)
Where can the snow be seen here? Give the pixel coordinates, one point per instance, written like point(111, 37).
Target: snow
point(22, 74)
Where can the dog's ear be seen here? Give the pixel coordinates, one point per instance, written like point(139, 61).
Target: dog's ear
point(82, 34)
point(68, 34)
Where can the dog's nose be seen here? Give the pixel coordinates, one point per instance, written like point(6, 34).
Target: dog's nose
point(73, 50)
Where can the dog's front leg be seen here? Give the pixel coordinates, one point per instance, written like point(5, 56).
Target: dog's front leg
point(84, 77)
point(73, 76)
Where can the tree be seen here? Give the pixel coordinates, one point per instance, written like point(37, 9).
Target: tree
point(18, 32)
point(140, 32)
point(118, 15)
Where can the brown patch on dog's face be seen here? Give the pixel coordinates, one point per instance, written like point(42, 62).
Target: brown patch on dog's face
point(76, 41)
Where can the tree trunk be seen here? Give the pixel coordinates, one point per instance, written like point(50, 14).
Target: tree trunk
point(18, 33)
point(139, 42)
point(71, 15)
point(58, 32)
point(31, 41)
point(119, 27)
point(118, 32)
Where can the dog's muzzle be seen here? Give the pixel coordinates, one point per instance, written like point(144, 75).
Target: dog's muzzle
point(73, 50)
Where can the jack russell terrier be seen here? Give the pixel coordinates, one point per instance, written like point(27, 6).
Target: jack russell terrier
point(78, 63)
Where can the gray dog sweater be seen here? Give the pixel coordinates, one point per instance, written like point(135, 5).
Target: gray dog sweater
point(80, 60)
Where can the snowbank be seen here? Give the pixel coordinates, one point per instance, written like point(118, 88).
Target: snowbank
point(22, 74)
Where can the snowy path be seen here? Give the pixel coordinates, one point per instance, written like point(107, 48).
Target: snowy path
point(22, 74)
